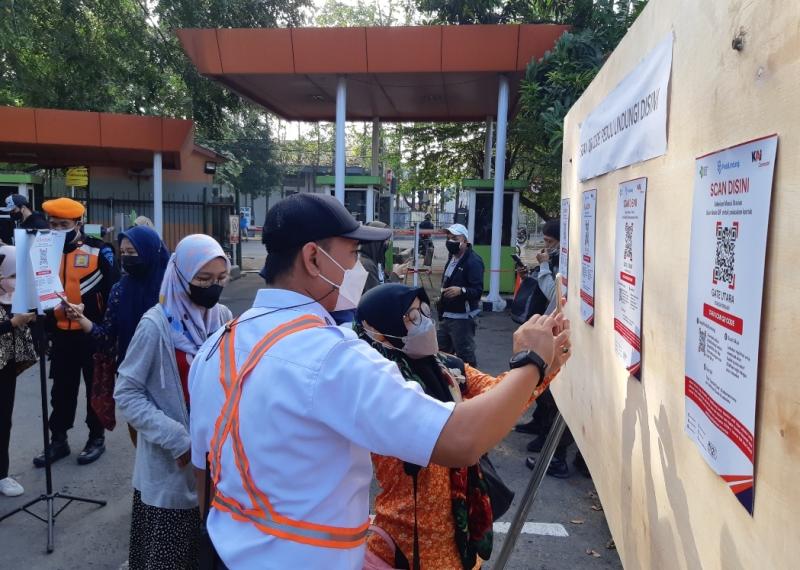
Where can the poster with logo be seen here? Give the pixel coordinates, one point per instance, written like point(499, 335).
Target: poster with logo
point(563, 254)
point(233, 236)
point(588, 216)
point(628, 274)
point(46, 249)
point(730, 220)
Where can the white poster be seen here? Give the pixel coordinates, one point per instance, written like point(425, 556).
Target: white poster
point(563, 254)
point(24, 298)
point(628, 274)
point(630, 125)
point(730, 219)
point(587, 255)
point(45, 257)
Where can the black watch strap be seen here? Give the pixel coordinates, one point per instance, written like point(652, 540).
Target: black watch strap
point(526, 357)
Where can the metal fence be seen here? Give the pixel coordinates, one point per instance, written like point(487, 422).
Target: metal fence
point(181, 217)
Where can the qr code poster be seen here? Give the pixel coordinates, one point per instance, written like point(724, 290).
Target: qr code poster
point(730, 222)
point(563, 256)
point(629, 273)
point(588, 216)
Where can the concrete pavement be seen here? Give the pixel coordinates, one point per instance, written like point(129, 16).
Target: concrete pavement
point(91, 537)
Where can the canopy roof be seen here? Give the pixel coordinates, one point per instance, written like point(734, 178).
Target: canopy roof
point(54, 138)
point(426, 73)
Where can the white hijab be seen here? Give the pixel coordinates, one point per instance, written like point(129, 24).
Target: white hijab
point(190, 324)
point(8, 274)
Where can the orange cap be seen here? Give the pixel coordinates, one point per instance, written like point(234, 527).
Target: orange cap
point(65, 208)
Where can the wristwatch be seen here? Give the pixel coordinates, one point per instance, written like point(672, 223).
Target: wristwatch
point(526, 357)
point(463, 290)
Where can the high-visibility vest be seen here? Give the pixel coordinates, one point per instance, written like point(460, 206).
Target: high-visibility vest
point(260, 512)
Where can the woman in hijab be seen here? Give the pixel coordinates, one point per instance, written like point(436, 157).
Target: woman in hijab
point(16, 353)
point(451, 506)
point(144, 259)
point(152, 394)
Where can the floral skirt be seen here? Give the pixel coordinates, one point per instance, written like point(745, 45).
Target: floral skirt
point(165, 539)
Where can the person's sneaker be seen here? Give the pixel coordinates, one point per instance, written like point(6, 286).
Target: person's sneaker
point(58, 450)
point(530, 427)
point(95, 447)
point(10, 488)
point(535, 445)
point(557, 468)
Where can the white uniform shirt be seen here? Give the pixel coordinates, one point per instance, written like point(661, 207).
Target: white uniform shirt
point(311, 411)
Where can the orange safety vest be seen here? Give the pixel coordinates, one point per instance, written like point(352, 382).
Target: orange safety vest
point(80, 273)
point(261, 513)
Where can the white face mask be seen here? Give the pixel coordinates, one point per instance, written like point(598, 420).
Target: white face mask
point(352, 285)
point(420, 341)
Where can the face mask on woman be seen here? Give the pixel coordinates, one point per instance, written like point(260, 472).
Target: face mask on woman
point(420, 341)
point(205, 297)
point(134, 266)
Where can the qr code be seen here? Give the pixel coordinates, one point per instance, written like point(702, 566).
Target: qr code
point(725, 257)
point(701, 341)
point(628, 254)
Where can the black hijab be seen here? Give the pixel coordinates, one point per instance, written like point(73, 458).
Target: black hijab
point(383, 307)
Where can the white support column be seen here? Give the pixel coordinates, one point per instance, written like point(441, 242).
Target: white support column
point(376, 149)
point(487, 150)
point(498, 304)
point(158, 195)
point(341, 110)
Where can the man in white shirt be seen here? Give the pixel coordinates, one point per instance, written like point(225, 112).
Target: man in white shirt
point(289, 442)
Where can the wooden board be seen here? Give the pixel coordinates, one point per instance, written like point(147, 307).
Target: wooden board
point(666, 508)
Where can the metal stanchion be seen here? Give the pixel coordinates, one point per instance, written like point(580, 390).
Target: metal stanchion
point(542, 463)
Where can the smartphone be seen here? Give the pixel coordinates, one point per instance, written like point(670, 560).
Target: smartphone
point(559, 293)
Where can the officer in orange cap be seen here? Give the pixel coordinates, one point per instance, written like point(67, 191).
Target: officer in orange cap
point(87, 274)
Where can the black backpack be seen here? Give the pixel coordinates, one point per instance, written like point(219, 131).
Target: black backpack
point(528, 301)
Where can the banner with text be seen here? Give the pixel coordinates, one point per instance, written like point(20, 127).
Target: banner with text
point(730, 219)
point(587, 255)
point(563, 254)
point(629, 273)
point(630, 125)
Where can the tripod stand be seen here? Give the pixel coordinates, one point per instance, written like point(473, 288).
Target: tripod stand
point(49, 497)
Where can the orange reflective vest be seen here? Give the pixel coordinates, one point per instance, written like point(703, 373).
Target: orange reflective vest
point(83, 280)
point(260, 512)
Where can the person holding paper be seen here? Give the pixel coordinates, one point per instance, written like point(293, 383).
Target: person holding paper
point(16, 353)
point(87, 273)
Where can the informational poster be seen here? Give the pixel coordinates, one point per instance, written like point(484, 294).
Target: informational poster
point(563, 254)
point(630, 125)
point(45, 257)
point(588, 217)
point(233, 237)
point(730, 219)
point(24, 298)
point(629, 273)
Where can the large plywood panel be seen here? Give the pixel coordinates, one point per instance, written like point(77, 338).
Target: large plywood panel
point(666, 508)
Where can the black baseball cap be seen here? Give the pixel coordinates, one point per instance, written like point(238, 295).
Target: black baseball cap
point(302, 218)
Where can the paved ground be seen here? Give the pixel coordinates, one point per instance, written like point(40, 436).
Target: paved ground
point(88, 537)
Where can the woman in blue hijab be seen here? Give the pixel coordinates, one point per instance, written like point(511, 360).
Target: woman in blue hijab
point(144, 259)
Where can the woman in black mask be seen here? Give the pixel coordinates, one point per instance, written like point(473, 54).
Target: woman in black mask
point(144, 259)
point(451, 506)
point(152, 394)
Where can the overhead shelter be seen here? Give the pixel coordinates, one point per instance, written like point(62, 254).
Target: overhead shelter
point(395, 74)
point(54, 138)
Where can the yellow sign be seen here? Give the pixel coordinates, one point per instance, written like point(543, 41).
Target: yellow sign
point(77, 176)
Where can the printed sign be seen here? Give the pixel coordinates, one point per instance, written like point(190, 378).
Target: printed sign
point(77, 176)
point(629, 273)
point(730, 218)
point(630, 125)
point(563, 254)
point(588, 217)
point(38, 261)
point(233, 237)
